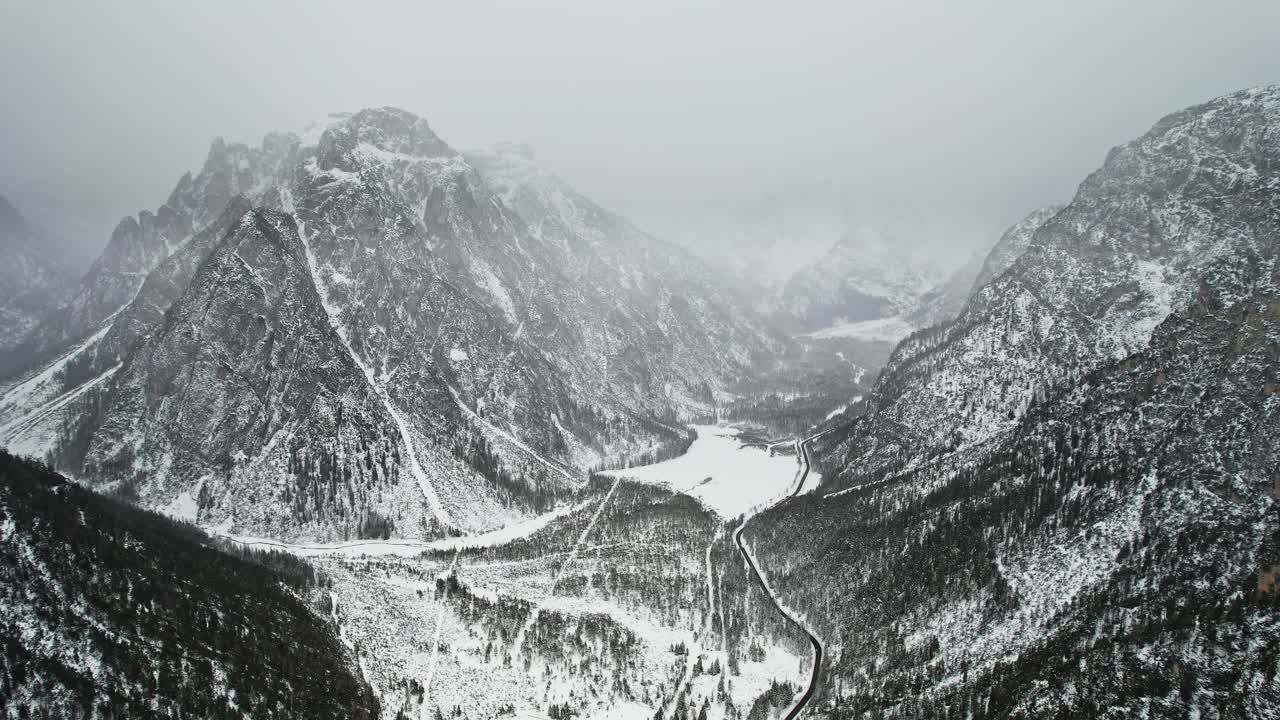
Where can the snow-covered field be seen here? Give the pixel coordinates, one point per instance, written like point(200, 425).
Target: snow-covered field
point(889, 330)
point(510, 641)
point(507, 642)
point(721, 473)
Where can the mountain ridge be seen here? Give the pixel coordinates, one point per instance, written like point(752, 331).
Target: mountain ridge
point(1063, 501)
point(495, 344)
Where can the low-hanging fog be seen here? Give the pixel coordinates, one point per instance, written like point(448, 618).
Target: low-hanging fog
point(703, 122)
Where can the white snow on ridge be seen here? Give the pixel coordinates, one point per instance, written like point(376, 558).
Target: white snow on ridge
point(890, 330)
point(34, 433)
point(717, 470)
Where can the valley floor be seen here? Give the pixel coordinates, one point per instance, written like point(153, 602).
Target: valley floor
point(630, 602)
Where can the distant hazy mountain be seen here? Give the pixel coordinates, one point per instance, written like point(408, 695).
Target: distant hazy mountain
point(77, 222)
point(945, 301)
point(763, 245)
point(34, 276)
point(361, 327)
point(867, 275)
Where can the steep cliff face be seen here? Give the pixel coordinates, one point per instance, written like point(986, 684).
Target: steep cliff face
point(139, 244)
point(1064, 501)
point(474, 336)
point(1094, 282)
point(243, 407)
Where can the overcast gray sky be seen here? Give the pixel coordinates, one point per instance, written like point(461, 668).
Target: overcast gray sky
point(964, 114)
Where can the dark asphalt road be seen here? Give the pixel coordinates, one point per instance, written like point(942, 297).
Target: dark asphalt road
point(817, 646)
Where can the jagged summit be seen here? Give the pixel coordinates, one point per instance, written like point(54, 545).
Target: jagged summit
point(1083, 462)
point(1096, 278)
point(476, 339)
point(388, 130)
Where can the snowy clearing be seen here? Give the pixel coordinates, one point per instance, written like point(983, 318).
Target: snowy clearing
point(717, 470)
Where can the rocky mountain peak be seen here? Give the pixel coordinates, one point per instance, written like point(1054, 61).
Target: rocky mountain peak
point(395, 304)
point(389, 133)
point(1096, 279)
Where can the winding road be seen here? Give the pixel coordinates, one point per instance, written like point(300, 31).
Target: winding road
point(523, 529)
point(802, 449)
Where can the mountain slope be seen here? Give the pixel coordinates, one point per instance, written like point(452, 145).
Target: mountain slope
point(494, 340)
point(138, 245)
point(1113, 550)
point(704, 331)
point(32, 278)
point(1094, 282)
point(109, 611)
point(1063, 503)
point(947, 300)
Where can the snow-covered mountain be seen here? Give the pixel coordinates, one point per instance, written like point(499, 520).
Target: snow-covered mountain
point(139, 244)
point(763, 244)
point(361, 327)
point(33, 276)
point(1096, 279)
point(945, 301)
point(1062, 489)
point(868, 276)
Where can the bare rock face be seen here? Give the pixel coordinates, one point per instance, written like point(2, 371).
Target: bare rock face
point(1093, 283)
point(362, 328)
point(1052, 497)
point(245, 366)
point(139, 244)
